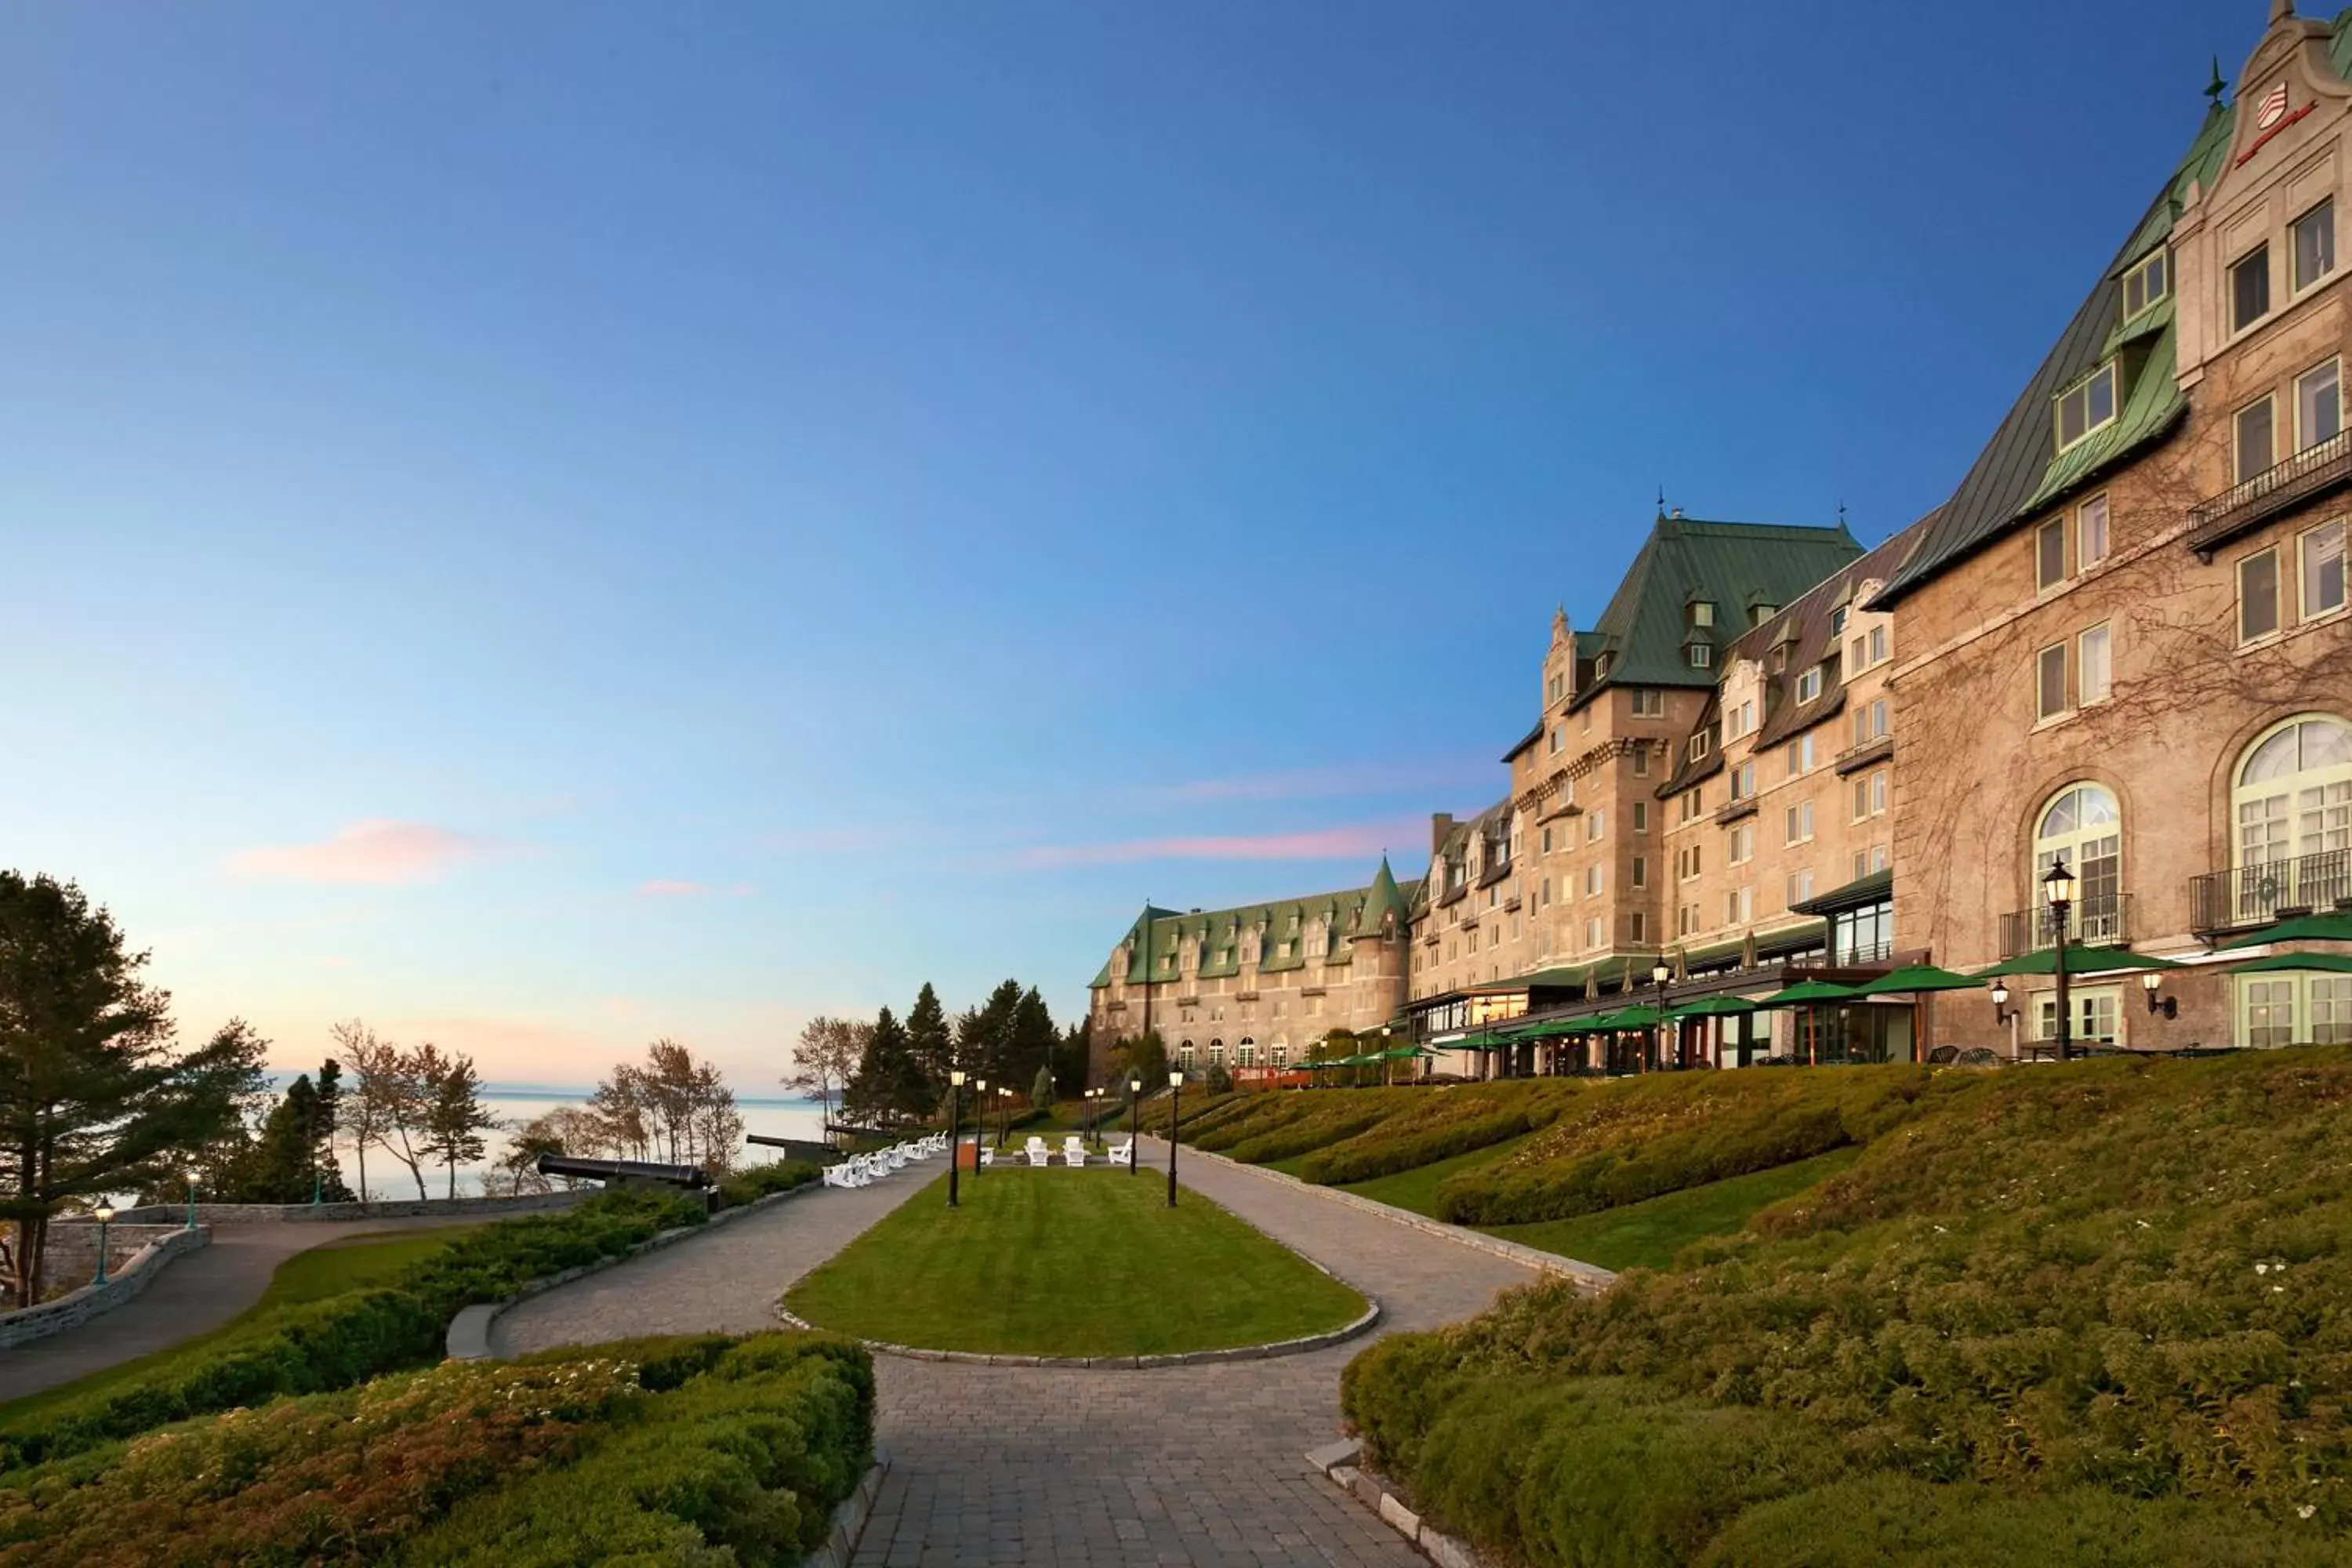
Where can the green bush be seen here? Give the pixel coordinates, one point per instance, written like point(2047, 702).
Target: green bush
point(762, 1181)
point(744, 1463)
point(2121, 1278)
point(1437, 1124)
point(345, 1339)
point(694, 1449)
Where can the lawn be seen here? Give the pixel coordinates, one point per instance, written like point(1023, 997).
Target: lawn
point(1648, 1235)
point(351, 1264)
point(1053, 1262)
point(1417, 1189)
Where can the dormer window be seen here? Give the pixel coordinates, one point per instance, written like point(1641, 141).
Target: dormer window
point(2089, 404)
point(2147, 283)
point(1698, 744)
point(1837, 621)
point(1809, 684)
point(1700, 655)
point(1701, 613)
point(1601, 667)
point(1764, 613)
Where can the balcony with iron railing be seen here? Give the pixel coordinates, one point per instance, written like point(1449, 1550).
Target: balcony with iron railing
point(2095, 921)
point(2256, 895)
point(2314, 472)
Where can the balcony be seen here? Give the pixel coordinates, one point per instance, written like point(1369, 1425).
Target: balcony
point(1862, 753)
point(2310, 474)
point(2256, 895)
point(2096, 920)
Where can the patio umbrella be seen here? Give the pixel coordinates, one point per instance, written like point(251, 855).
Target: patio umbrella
point(1805, 994)
point(1917, 980)
point(2079, 961)
point(2332, 925)
point(1713, 1008)
point(2329, 962)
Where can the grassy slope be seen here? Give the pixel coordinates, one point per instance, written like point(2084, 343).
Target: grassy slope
point(1052, 1262)
point(1417, 1189)
point(351, 1264)
point(1648, 1235)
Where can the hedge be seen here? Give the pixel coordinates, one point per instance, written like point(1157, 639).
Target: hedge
point(685, 1446)
point(2121, 1278)
point(764, 1181)
point(345, 1339)
point(1437, 1124)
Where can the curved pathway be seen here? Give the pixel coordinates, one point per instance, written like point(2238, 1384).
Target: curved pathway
point(1198, 1465)
point(195, 1293)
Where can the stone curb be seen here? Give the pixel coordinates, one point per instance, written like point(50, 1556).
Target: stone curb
point(1267, 1352)
point(469, 1337)
point(1339, 1462)
point(75, 1308)
point(1588, 1278)
point(849, 1518)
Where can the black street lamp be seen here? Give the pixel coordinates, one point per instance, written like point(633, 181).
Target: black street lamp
point(2003, 1013)
point(1134, 1094)
point(2150, 984)
point(1659, 975)
point(978, 1121)
point(1175, 1116)
point(955, 1135)
point(2058, 885)
point(1003, 1116)
point(105, 1218)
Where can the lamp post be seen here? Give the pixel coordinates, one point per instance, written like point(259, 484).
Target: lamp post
point(1134, 1094)
point(1175, 1120)
point(105, 1218)
point(2058, 886)
point(955, 1135)
point(1659, 975)
point(1003, 1116)
point(2151, 983)
point(192, 1200)
point(978, 1121)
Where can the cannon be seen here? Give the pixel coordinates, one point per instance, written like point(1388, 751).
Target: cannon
point(796, 1148)
point(625, 1173)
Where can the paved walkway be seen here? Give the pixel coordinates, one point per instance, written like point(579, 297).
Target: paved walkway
point(1202, 1465)
point(193, 1294)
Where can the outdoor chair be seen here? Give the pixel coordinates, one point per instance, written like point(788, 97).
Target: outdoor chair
point(1943, 1056)
point(1119, 1152)
point(1074, 1150)
point(1038, 1154)
point(1977, 1057)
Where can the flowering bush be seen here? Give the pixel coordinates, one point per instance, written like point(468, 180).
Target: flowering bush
point(2122, 1277)
point(343, 1340)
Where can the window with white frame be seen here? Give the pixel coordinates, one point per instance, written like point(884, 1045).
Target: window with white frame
point(2293, 805)
point(2319, 555)
point(1641, 872)
point(1809, 684)
point(1738, 905)
point(1639, 932)
point(2311, 237)
point(1547, 841)
point(1870, 722)
point(2258, 596)
point(2250, 287)
point(2095, 1009)
point(1697, 746)
point(1702, 656)
point(1797, 887)
point(1591, 934)
point(1559, 740)
point(1797, 823)
point(1640, 816)
point(1701, 613)
point(2083, 825)
point(2091, 531)
point(1740, 843)
point(2254, 435)
point(1595, 825)
point(2147, 283)
point(2094, 666)
point(1649, 702)
point(1738, 720)
point(2049, 681)
point(2266, 1010)
point(1877, 645)
point(1592, 878)
point(1837, 621)
point(1691, 807)
point(1685, 920)
point(1800, 755)
point(2050, 553)
point(2319, 405)
point(1743, 781)
point(2087, 405)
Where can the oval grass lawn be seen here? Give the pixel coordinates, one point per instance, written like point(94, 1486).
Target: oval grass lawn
point(1069, 1263)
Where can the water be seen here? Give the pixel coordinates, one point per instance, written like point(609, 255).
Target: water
point(513, 1107)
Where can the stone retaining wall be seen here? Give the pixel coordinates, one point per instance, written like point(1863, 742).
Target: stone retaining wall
point(76, 1308)
point(294, 1214)
point(70, 1250)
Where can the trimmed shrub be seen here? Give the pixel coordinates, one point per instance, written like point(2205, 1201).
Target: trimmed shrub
point(345, 1339)
point(763, 1181)
point(1440, 1124)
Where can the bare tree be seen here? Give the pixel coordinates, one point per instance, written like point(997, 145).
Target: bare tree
point(366, 1109)
point(828, 1053)
point(673, 1104)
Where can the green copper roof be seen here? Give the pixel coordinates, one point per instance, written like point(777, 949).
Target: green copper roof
point(1734, 567)
point(2020, 473)
point(1219, 931)
point(1383, 900)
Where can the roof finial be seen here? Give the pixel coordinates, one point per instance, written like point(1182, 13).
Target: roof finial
point(1841, 512)
point(2217, 87)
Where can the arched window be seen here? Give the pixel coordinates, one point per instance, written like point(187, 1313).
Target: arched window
point(2082, 825)
point(1278, 1056)
point(1216, 1053)
point(1245, 1053)
point(2292, 802)
point(1184, 1056)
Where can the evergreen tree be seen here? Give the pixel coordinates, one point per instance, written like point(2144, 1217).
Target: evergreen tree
point(455, 1117)
point(889, 1084)
point(1041, 1089)
point(1033, 1036)
point(1073, 1059)
point(292, 1155)
point(993, 1033)
point(1146, 1058)
point(930, 1043)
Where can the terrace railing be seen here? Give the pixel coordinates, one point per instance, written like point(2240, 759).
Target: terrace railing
point(2253, 895)
point(2104, 917)
point(2309, 475)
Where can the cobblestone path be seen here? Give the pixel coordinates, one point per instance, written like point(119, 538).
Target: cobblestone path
point(1201, 1464)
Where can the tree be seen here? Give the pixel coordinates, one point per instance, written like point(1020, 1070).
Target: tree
point(1073, 1059)
point(92, 1094)
point(365, 1110)
point(673, 1105)
point(1335, 1043)
point(1033, 1034)
point(564, 1130)
point(1041, 1089)
point(1220, 1081)
point(1145, 1056)
point(828, 1053)
point(454, 1116)
point(887, 1084)
point(929, 1043)
point(291, 1159)
point(992, 1031)
point(407, 1085)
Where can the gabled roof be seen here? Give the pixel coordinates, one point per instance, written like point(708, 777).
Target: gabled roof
point(1455, 847)
point(2020, 473)
point(1168, 930)
point(1731, 565)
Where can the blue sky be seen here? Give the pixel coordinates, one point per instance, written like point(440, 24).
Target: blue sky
point(547, 524)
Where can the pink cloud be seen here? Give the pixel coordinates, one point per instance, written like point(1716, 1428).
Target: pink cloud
point(1357, 842)
point(1310, 783)
point(669, 888)
point(376, 853)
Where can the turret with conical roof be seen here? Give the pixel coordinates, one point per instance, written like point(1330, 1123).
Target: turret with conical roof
point(1385, 912)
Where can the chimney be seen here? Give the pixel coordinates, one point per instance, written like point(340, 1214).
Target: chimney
point(1441, 823)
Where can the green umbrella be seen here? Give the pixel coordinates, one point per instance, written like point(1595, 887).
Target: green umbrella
point(1639, 1016)
point(2079, 961)
point(1406, 1053)
point(2332, 925)
point(1805, 992)
point(1713, 1008)
point(1916, 978)
point(2331, 962)
point(1550, 1028)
